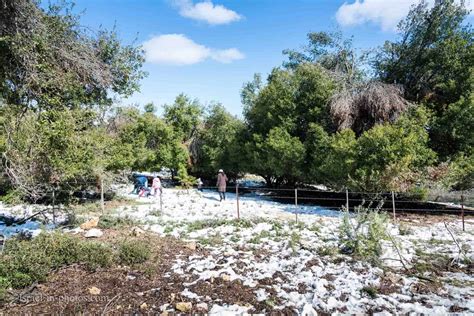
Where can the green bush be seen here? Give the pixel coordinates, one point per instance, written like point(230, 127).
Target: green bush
point(418, 193)
point(108, 221)
point(133, 252)
point(24, 262)
point(4, 285)
point(362, 236)
point(96, 255)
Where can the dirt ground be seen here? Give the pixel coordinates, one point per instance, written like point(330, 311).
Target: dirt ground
point(142, 289)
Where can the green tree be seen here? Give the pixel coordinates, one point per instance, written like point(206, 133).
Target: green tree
point(57, 81)
point(278, 157)
point(434, 60)
point(388, 152)
point(434, 56)
point(144, 142)
point(332, 52)
point(184, 115)
point(331, 157)
point(453, 132)
point(218, 143)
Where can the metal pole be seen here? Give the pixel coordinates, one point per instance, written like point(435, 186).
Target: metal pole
point(296, 205)
point(462, 210)
point(347, 199)
point(237, 195)
point(102, 203)
point(393, 206)
point(161, 200)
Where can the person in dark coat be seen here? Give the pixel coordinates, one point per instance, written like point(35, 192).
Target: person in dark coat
point(221, 184)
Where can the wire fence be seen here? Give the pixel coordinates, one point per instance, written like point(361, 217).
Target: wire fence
point(395, 202)
point(457, 203)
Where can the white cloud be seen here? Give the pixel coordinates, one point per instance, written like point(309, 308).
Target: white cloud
point(386, 13)
point(177, 49)
point(227, 55)
point(206, 11)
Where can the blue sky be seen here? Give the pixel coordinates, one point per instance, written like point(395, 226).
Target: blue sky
point(208, 49)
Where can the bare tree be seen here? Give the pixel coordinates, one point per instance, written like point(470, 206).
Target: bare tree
point(365, 105)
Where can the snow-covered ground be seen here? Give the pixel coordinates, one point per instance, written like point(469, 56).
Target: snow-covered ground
point(295, 265)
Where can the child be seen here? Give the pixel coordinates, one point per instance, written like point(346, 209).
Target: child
point(156, 186)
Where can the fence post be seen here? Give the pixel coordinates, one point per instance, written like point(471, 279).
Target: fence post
point(347, 199)
point(102, 203)
point(237, 195)
point(393, 206)
point(54, 206)
point(161, 200)
point(462, 209)
point(296, 205)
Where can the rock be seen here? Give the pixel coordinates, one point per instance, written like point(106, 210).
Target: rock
point(93, 233)
point(90, 224)
point(191, 245)
point(137, 231)
point(226, 277)
point(395, 279)
point(144, 306)
point(202, 307)
point(184, 306)
point(94, 291)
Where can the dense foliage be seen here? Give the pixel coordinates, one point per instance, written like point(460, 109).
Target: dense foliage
point(400, 120)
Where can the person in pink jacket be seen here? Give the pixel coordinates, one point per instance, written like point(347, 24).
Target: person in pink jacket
point(156, 186)
point(221, 184)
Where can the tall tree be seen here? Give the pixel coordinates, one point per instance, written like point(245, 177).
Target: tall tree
point(56, 81)
point(434, 57)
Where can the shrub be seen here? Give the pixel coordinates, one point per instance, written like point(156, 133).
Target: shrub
point(96, 255)
point(370, 291)
point(24, 262)
point(133, 252)
point(362, 235)
point(108, 221)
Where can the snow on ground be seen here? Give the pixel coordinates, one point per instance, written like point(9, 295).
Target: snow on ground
point(295, 266)
point(24, 211)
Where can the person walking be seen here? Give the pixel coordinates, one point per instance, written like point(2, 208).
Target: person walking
point(221, 184)
point(199, 184)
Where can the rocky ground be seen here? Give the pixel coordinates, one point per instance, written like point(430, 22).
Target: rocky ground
point(207, 261)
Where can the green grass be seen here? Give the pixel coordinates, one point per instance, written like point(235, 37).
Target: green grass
point(109, 221)
point(369, 291)
point(211, 241)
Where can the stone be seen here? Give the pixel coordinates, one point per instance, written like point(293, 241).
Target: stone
point(191, 245)
point(395, 279)
point(202, 307)
point(137, 231)
point(93, 233)
point(226, 277)
point(144, 306)
point(184, 306)
point(94, 291)
point(90, 224)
